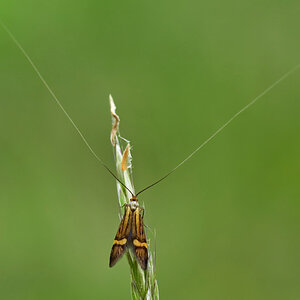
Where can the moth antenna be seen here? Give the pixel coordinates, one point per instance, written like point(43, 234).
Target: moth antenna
point(284, 76)
point(16, 42)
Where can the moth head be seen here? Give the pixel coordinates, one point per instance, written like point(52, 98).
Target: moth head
point(133, 203)
point(134, 198)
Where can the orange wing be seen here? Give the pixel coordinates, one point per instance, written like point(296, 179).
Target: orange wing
point(139, 239)
point(121, 239)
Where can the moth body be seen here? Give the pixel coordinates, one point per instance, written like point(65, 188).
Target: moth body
point(130, 234)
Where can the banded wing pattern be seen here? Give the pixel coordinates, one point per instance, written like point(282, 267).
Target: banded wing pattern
point(121, 239)
point(139, 239)
point(130, 234)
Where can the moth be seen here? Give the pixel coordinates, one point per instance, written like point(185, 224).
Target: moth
point(131, 234)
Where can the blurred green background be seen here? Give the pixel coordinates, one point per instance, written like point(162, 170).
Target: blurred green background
point(227, 221)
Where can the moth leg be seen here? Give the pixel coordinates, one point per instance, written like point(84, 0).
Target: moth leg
point(149, 228)
point(142, 212)
point(120, 209)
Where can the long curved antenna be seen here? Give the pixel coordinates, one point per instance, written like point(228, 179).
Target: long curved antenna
point(60, 105)
point(291, 71)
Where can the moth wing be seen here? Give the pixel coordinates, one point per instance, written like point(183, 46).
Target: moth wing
point(139, 239)
point(121, 239)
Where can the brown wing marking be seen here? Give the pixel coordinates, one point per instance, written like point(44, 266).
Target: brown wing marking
point(139, 239)
point(120, 242)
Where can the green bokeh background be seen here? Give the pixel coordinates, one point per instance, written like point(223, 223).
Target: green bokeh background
point(227, 221)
